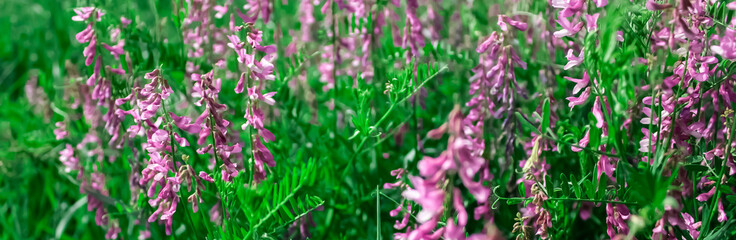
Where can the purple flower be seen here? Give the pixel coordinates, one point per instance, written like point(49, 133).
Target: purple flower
point(691, 226)
point(652, 5)
point(206, 177)
point(125, 22)
point(220, 10)
point(213, 124)
point(185, 123)
point(597, 113)
point(616, 216)
point(116, 50)
point(457, 203)
point(261, 155)
point(606, 165)
point(721, 213)
point(727, 46)
point(256, 8)
point(582, 143)
point(426, 194)
point(568, 28)
point(503, 20)
point(84, 13)
point(306, 18)
point(601, 3)
point(60, 131)
point(398, 173)
point(570, 7)
point(579, 85)
point(260, 71)
point(66, 157)
point(112, 232)
point(413, 37)
point(591, 22)
point(404, 220)
point(573, 60)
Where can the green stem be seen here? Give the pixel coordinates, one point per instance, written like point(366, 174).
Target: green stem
point(378, 214)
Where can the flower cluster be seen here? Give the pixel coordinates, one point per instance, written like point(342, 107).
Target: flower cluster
point(463, 158)
point(211, 123)
point(256, 76)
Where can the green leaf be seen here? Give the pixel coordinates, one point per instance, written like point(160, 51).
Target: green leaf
point(549, 186)
point(589, 188)
point(522, 190)
point(602, 183)
point(564, 185)
point(513, 201)
point(576, 186)
point(526, 124)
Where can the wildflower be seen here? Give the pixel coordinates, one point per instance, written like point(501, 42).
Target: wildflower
point(503, 20)
point(691, 226)
point(413, 31)
point(616, 216)
point(211, 122)
point(306, 18)
point(579, 85)
point(574, 60)
point(601, 3)
point(582, 143)
point(257, 75)
point(570, 7)
point(66, 157)
point(568, 28)
point(60, 131)
point(125, 22)
point(398, 173)
point(256, 8)
point(88, 35)
point(652, 5)
point(591, 24)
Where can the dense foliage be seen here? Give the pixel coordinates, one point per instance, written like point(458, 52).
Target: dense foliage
point(355, 119)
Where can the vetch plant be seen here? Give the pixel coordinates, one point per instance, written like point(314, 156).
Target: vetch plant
point(346, 119)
